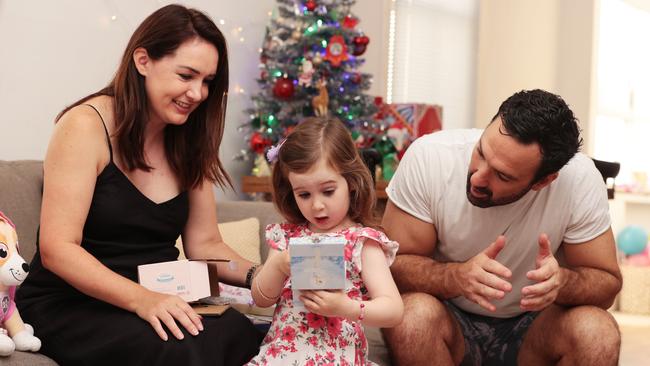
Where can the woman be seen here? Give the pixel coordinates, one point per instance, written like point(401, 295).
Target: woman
point(128, 169)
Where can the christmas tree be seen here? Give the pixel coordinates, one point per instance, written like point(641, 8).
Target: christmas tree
point(309, 67)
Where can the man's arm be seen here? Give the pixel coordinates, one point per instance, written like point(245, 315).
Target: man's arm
point(413, 267)
point(593, 276)
point(480, 279)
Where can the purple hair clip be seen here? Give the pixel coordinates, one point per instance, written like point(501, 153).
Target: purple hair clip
point(272, 154)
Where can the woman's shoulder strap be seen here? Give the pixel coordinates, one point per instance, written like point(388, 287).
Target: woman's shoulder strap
point(108, 138)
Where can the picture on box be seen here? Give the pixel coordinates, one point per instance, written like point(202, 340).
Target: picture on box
point(317, 263)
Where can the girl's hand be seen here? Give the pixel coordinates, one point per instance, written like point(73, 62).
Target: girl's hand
point(329, 303)
point(168, 309)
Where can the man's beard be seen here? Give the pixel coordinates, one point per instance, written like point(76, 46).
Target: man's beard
point(487, 201)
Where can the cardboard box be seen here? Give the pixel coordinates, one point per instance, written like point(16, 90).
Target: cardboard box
point(187, 279)
point(209, 309)
point(317, 263)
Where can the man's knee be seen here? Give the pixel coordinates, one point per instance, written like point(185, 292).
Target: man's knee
point(593, 327)
point(581, 335)
point(427, 331)
point(424, 315)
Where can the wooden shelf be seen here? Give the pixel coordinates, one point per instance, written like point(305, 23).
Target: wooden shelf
point(252, 184)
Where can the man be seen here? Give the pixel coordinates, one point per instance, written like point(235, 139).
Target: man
point(481, 217)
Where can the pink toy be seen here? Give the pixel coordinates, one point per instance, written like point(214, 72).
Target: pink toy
point(14, 334)
point(641, 259)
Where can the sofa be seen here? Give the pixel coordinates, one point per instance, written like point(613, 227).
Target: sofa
point(21, 185)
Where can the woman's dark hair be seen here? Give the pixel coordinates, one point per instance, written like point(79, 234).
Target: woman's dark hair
point(327, 138)
point(537, 116)
point(192, 148)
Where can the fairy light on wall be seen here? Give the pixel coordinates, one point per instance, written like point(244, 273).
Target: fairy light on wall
point(113, 16)
point(237, 32)
point(391, 54)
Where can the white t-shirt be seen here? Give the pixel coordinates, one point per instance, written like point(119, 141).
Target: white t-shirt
point(430, 184)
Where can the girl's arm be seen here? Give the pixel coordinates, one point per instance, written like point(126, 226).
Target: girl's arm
point(269, 280)
point(385, 309)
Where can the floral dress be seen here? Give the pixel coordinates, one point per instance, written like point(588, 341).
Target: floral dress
point(304, 338)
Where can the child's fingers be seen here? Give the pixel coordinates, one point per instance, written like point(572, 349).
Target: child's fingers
point(311, 296)
point(310, 305)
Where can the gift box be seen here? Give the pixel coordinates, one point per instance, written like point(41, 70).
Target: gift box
point(400, 124)
point(317, 263)
point(187, 279)
point(405, 122)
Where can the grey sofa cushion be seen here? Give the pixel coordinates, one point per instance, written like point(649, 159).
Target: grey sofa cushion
point(21, 190)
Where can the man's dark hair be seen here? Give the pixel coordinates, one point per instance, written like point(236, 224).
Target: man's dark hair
point(537, 116)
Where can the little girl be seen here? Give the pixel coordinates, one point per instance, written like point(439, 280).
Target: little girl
point(322, 187)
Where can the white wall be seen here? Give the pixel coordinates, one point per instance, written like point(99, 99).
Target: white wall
point(52, 53)
point(527, 44)
point(373, 21)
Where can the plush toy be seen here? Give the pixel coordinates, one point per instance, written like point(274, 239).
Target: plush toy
point(14, 334)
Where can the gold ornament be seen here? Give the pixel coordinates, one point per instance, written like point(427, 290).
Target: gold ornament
point(322, 100)
point(317, 59)
point(261, 167)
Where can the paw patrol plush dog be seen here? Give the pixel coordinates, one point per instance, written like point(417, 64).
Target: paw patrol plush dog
point(14, 334)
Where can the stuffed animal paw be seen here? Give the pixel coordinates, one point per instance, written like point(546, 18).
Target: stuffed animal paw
point(29, 328)
point(7, 345)
point(25, 341)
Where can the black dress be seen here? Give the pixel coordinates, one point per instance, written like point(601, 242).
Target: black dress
point(124, 229)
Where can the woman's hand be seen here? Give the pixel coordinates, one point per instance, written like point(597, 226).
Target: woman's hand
point(329, 303)
point(168, 309)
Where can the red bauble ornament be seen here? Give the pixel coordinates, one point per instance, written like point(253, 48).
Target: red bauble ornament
point(259, 143)
point(358, 50)
point(283, 88)
point(350, 22)
point(360, 44)
point(355, 78)
point(310, 5)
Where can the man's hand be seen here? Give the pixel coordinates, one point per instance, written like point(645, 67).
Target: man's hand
point(481, 278)
point(548, 277)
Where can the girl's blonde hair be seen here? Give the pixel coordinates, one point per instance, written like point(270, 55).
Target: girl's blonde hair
point(327, 138)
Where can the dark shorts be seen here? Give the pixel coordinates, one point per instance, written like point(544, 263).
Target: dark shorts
point(491, 341)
